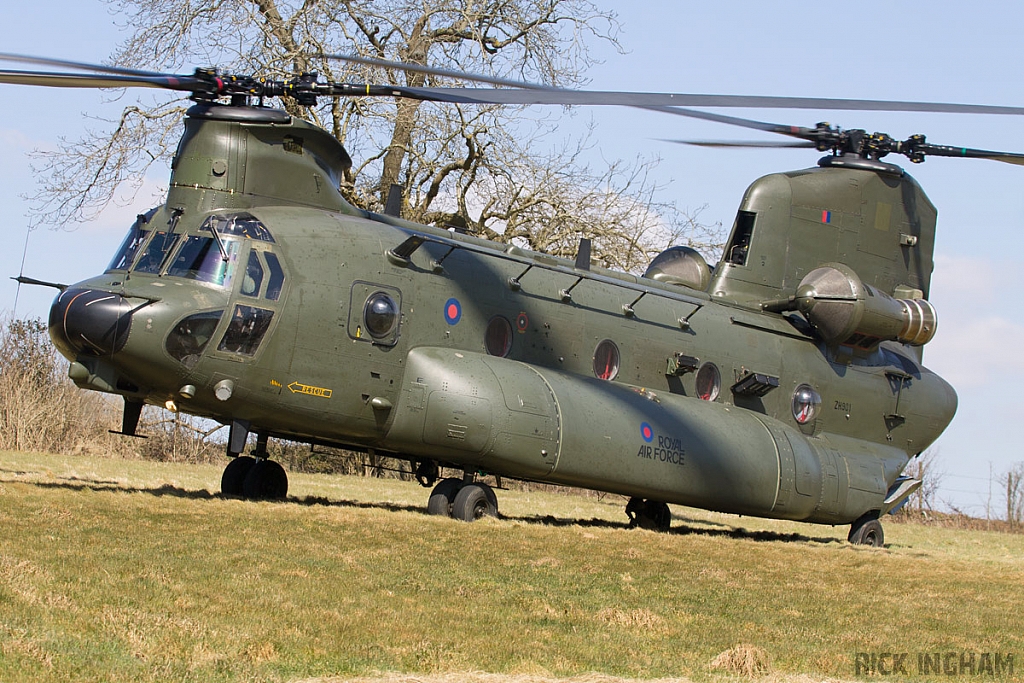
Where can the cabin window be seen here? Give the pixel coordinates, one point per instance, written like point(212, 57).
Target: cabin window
point(739, 244)
point(380, 315)
point(806, 402)
point(606, 360)
point(498, 338)
point(375, 313)
point(190, 336)
point(246, 329)
point(708, 382)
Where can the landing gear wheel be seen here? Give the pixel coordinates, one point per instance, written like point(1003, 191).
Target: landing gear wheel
point(474, 501)
point(442, 497)
point(867, 531)
point(234, 475)
point(266, 480)
point(648, 514)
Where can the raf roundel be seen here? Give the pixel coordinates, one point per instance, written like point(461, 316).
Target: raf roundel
point(452, 311)
point(646, 432)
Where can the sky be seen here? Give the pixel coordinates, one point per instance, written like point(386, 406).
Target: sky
point(911, 50)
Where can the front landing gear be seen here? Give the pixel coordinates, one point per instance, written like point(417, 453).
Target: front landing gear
point(464, 500)
point(648, 514)
point(233, 479)
point(253, 478)
point(867, 531)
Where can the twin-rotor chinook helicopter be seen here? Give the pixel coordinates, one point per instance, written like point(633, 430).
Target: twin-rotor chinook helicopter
point(785, 381)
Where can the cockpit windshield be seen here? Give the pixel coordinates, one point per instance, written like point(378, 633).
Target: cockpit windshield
point(200, 258)
point(238, 225)
point(211, 256)
point(133, 240)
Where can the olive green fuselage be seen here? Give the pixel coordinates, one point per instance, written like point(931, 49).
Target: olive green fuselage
point(498, 359)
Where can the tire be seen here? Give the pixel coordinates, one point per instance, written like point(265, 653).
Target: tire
point(867, 532)
point(475, 501)
point(648, 514)
point(661, 516)
point(442, 497)
point(231, 482)
point(266, 480)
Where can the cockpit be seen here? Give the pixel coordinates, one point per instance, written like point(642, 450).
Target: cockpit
point(230, 251)
point(211, 257)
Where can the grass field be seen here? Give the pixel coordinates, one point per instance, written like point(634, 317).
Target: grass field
point(130, 570)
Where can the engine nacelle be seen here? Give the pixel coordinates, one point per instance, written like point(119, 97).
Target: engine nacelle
point(844, 310)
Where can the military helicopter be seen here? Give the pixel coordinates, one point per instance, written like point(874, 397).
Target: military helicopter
point(785, 381)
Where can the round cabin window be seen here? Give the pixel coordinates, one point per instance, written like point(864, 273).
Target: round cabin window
point(380, 315)
point(708, 381)
point(606, 360)
point(498, 338)
point(806, 402)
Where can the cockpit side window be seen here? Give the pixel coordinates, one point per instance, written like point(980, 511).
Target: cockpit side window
point(276, 282)
point(253, 277)
point(190, 336)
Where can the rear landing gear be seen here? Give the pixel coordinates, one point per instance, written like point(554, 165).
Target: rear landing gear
point(867, 531)
point(648, 514)
point(464, 500)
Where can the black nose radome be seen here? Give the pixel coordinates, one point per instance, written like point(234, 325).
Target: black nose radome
point(89, 321)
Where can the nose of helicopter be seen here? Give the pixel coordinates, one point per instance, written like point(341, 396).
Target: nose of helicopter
point(89, 321)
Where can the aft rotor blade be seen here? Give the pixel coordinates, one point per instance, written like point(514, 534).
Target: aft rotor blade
point(520, 92)
point(740, 143)
point(782, 129)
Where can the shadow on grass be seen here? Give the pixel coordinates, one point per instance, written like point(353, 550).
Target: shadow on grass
point(689, 527)
point(694, 527)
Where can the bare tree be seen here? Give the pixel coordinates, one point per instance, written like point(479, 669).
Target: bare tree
point(926, 467)
point(1014, 482)
point(484, 167)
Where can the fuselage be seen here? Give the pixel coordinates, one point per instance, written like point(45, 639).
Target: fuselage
point(313, 321)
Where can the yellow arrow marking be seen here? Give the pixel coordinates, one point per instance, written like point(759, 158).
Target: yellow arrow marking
point(308, 390)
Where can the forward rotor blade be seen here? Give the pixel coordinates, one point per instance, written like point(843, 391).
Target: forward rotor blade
point(447, 73)
point(969, 153)
point(68, 80)
point(523, 92)
point(634, 99)
point(81, 66)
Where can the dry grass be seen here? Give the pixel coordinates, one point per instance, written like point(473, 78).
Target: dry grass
point(745, 660)
point(132, 570)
